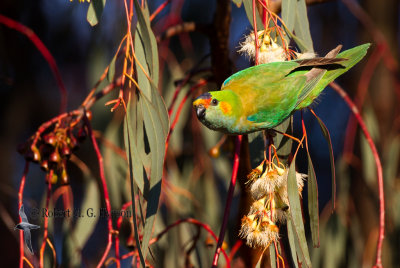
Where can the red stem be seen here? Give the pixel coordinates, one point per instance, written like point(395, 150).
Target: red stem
point(20, 199)
point(229, 199)
point(105, 190)
point(12, 24)
point(119, 222)
point(255, 31)
point(46, 219)
point(235, 249)
point(178, 112)
point(362, 90)
point(159, 9)
point(193, 221)
point(353, 107)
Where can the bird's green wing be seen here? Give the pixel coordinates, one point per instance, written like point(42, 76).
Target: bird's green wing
point(312, 90)
point(276, 101)
point(261, 75)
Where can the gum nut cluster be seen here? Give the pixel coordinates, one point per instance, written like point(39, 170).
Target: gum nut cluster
point(268, 49)
point(271, 204)
point(52, 148)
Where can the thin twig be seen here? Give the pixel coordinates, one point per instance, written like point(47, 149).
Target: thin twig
point(45, 53)
point(105, 190)
point(354, 110)
point(20, 203)
point(229, 200)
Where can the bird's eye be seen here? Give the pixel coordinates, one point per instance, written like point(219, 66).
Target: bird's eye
point(214, 102)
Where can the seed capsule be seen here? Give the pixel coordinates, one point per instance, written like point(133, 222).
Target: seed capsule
point(33, 155)
point(55, 157)
point(44, 165)
point(50, 139)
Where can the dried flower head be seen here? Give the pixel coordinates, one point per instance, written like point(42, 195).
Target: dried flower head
point(269, 181)
point(258, 231)
point(269, 51)
point(255, 173)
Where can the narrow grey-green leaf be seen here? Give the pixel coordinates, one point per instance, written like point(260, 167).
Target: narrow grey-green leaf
point(302, 27)
point(135, 225)
point(296, 214)
point(143, 81)
point(131, 148)
point(156, 137)
point(95, 11)
point(248, 6)
point(292, 243)
point(238, 3)
point(272, 255)
point(313, 210)
point(327, 136)
point(289, 8)
point(115, 166)
point(147, 38)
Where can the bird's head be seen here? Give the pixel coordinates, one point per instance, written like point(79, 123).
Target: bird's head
point(217, 109)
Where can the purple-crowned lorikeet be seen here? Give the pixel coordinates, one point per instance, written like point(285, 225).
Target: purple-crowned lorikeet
point(263, 96)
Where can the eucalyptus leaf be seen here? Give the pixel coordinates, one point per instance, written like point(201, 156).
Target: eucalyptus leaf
point(131, 176)
point(302, 27)
point(292, 243)
point(313, 209)
point(248, 6)
point(238, 3)
point(327, 136)
point(296, 213)
point(272, 255)
point(136, 166)
point(289, 8)
point(95, 11)
point(157, 138)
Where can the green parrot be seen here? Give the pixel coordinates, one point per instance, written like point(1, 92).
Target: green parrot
point(263, 96)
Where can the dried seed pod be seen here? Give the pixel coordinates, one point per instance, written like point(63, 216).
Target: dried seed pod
point(33, 154)
point(214, 152)
point(65, 150)
point(55, 157)
point(64, 176)
point(89, 115)
point(44, 165)
point(50, 139)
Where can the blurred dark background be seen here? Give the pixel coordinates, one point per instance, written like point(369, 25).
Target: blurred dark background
point(30, 95)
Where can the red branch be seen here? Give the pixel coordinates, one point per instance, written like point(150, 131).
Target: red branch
point(178, 112)
point(105, 190)
point(362, 90)
point(353, 107)
point(159, 9)
point(45, 53)
point(20, 199)
point(255, 31)
point(193, 221)
point(229, 199)
point(235, 249)
point(119, 222)
point(46, 219)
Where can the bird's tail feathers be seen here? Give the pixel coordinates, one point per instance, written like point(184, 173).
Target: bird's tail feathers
point(352, 56)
